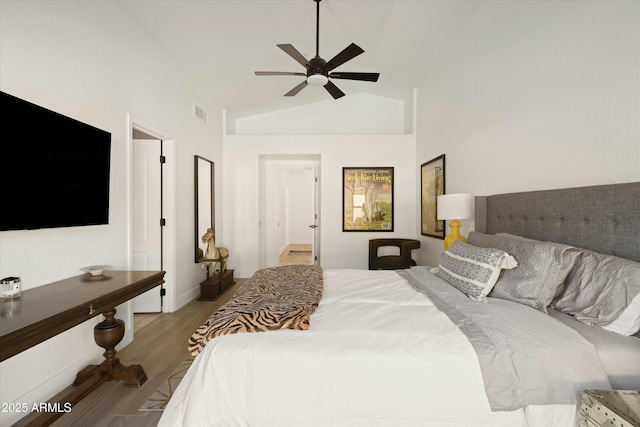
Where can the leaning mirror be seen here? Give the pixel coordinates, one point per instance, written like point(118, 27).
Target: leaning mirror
point(204, 202)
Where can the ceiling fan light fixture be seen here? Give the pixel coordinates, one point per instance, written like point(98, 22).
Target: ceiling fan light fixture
point(317, 80)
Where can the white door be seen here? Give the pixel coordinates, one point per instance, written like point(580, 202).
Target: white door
point(315, 224)
point(146, 208)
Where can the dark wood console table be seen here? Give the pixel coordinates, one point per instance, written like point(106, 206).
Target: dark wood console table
point(45, 311)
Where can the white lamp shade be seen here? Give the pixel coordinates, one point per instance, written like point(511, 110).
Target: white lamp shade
point(454, 206)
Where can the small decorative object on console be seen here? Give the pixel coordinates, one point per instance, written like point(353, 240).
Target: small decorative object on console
point(10, 288)
point(609, 408)
point(96, 270)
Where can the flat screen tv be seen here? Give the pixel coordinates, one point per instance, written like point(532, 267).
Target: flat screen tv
point(54, 170)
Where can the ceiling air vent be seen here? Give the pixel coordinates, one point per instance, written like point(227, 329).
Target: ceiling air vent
point(200, 113)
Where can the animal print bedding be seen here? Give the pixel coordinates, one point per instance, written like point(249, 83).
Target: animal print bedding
point(274, 298)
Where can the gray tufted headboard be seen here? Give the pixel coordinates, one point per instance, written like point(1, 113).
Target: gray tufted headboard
point(603, 218)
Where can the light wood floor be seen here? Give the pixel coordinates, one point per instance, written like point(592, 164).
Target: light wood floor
point(296, 254)
point(159, 345)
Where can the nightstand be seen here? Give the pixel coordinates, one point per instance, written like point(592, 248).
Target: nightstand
point(610, 408)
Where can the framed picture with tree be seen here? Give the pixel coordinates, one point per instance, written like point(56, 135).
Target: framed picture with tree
point(431, 186)
point(367, 202)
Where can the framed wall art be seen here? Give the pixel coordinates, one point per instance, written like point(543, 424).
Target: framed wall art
point(367, 199)
point(432, 185)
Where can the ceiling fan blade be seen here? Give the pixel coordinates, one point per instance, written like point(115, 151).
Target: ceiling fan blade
point(296, 89)
point(347, 54)
point(293, 52)
point(368, 77)
point(333, 90)
point(278, 73)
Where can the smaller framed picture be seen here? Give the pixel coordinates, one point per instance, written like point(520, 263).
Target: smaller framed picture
point(432, 185)
point(367, 202)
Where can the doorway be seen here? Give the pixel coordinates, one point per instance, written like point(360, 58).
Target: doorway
point(289, 210)
point(152, 241)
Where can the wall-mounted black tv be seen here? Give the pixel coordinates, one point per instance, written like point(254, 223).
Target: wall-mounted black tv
point(54, 170)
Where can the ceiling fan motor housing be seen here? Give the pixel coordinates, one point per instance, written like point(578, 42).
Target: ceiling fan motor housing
point(316, 76)
point(316, 65)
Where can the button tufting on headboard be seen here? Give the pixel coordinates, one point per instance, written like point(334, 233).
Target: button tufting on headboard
point(604, 218)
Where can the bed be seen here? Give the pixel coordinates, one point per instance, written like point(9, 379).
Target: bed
point(428, 346)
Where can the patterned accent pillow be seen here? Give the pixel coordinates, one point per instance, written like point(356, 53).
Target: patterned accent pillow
point(534, 282)
point(473, 270)
point(569, 258)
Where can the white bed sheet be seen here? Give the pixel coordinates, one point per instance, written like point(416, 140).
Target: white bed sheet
point(378, 353)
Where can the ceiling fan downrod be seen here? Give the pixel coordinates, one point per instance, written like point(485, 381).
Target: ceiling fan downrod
point(317, 27)
point(316, 76)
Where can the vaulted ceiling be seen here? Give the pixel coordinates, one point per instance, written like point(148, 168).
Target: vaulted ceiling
point(219, 44)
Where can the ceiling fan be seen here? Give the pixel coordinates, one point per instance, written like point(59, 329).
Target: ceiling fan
point(318, 71)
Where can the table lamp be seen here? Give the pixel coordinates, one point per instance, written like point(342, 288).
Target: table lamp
point(454, 207)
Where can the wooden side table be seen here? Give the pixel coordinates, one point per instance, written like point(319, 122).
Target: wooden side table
point(610, 408)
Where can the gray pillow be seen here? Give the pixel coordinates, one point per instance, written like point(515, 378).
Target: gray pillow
point(603, 290)
point(533, 282)
point(473, 270)
point(569, 258)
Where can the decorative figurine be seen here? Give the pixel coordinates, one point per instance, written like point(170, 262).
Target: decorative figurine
point(214, 255)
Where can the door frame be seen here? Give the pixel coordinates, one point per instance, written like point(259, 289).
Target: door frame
point(285, 161)
point(169, 207)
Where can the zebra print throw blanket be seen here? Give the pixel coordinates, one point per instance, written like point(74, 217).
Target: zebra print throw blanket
point(274, 298)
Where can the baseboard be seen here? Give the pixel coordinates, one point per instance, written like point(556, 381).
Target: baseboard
point(187, 297)
point(243, 274)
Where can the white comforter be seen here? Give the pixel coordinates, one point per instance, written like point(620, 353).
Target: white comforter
point(378, 353)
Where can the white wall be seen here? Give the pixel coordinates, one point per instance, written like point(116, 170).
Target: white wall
point(535, 95)
point(339, 134)
point(338, 249)
point(88, 61)
point(358, 113)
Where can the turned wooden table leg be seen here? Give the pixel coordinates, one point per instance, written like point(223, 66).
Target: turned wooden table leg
point(108, 335)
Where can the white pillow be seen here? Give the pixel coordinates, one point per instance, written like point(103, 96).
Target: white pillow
point(473, 270)
point(628, 321)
